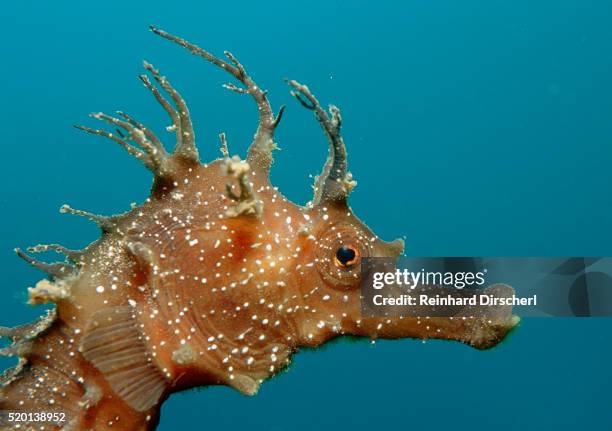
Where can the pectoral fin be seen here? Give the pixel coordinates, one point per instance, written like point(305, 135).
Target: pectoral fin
point(114, 344)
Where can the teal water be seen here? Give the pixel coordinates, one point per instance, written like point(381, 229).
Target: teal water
point(477, 128)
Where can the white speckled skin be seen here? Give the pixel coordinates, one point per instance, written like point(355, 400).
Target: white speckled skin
point(215, 279)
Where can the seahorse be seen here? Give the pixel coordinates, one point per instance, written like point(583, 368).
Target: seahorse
point(216, 279)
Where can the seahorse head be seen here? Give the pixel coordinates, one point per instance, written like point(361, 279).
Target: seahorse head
point(238, 277)
point(218, 278)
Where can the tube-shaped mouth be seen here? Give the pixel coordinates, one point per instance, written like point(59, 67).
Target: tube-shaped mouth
point(482, 325)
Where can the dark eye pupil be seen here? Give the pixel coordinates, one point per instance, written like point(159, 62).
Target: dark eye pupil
point(345, 255)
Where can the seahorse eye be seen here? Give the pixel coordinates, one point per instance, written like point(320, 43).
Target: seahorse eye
point(339, 252)
point(346, 256)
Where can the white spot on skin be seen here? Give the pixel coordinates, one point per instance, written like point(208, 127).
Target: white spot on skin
point(100, 289)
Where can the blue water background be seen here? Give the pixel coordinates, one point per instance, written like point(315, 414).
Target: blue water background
point(474, 128)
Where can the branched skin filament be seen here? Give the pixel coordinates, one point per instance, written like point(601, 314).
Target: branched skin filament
point(216, 279)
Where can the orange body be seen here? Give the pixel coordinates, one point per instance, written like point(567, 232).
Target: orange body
point(216, 279)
